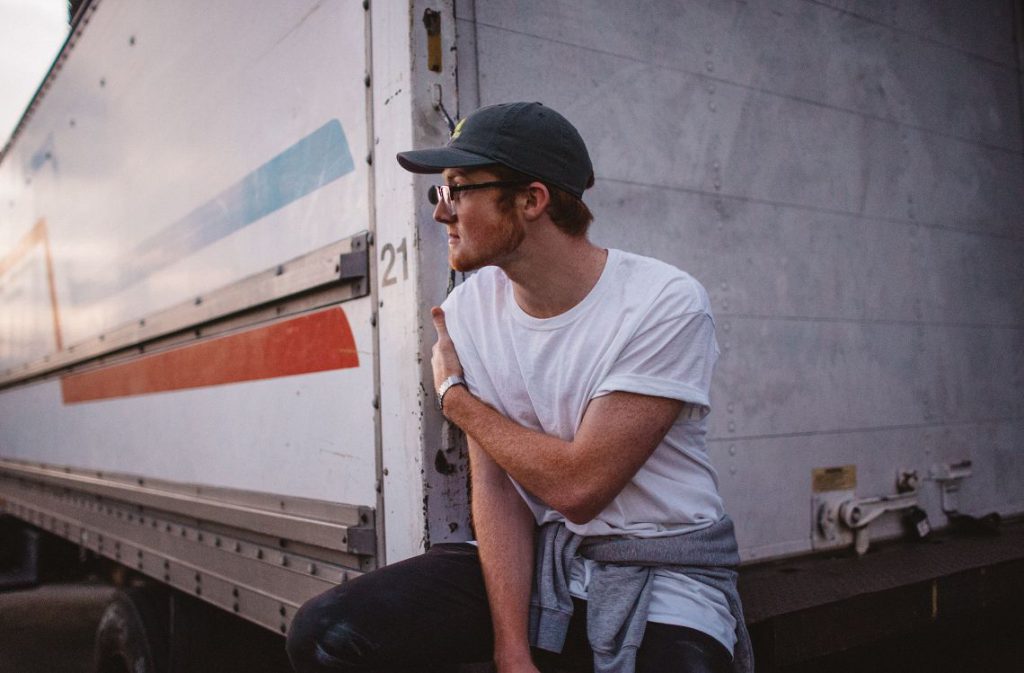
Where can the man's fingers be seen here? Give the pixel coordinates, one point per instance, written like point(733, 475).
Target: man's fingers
point(437, 313)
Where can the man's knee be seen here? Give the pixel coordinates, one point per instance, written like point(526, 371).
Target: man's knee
point(324, 637)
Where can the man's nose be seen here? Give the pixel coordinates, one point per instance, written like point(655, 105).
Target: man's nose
point(441, 213)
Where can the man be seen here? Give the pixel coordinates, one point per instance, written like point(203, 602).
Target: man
point(580, 376)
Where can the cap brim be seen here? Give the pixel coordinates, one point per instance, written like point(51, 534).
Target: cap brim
point(435, 161)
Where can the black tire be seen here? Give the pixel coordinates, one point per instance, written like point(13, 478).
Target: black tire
point(132, 633)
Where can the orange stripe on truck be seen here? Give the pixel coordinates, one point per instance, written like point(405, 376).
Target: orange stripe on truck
point(311, 343)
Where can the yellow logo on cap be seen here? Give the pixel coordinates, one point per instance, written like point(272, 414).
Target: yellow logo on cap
point(458, 129)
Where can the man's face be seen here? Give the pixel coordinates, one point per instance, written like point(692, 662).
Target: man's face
point(479, 233)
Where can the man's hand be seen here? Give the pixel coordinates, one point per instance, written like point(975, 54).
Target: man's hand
point(444, 360)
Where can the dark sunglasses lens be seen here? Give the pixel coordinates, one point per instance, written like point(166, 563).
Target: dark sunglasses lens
point(432, 195)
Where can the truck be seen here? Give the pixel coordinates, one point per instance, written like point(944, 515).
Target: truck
point(215, 285)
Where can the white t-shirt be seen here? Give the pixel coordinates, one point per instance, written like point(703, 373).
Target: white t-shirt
point(645, 327)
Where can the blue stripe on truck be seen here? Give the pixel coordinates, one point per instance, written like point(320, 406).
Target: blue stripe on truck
point(314, 161)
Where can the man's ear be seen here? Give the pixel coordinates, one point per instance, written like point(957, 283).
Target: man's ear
point(537, 199)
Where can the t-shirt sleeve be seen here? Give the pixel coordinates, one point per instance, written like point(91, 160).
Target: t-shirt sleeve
point(672, 358)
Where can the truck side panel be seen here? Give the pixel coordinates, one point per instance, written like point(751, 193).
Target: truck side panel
point(179, 150)
point(847, 183)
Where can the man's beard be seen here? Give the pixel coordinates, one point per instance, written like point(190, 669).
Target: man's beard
point(508, 241)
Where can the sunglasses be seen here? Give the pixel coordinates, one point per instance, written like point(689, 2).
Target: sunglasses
point(447, 195)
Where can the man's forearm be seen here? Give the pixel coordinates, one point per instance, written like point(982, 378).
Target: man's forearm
point(505, 535)
point(537, 461)
point(579, 477)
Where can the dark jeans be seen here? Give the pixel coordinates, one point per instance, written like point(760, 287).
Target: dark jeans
point(430, 613)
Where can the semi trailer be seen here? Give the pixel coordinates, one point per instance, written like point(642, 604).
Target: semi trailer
point(215, 285)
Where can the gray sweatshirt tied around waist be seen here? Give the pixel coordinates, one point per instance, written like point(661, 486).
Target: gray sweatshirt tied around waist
point(619, 593)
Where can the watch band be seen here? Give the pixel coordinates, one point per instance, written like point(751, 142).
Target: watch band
point(446, 385)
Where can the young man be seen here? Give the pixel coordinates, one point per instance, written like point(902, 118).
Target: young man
point(580, 376)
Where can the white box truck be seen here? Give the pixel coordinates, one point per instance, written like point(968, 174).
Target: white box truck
point(215, 279)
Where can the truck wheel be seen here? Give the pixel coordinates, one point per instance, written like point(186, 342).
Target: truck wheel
point(131, 633)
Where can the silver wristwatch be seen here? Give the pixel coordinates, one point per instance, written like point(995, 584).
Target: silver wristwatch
point(446, 385)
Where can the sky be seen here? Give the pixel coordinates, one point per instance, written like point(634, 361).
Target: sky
point(31, 35)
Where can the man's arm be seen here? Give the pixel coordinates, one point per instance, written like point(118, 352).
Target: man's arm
point(577, 478)
point(505, 537)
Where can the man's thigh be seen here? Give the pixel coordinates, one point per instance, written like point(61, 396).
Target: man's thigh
point(665, 649)
point(681, 650)
point(420, 613)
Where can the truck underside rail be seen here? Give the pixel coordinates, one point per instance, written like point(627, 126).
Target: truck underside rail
point(257, 555)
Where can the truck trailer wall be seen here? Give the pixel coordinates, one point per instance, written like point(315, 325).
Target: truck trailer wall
point(179, 150)
point(188, 349)
point(846, 179)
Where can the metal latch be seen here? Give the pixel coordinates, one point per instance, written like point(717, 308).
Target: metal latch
point(857, 514)
point(354, 266)
point(841, 521)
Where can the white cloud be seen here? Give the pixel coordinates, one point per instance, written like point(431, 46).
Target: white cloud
point(31, 34)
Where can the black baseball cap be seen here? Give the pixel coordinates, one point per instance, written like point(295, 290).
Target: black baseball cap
point(526, 137)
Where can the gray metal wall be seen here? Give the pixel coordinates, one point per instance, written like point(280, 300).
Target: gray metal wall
point(846, 179)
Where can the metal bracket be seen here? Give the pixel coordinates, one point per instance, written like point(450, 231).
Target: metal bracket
point(948, 476)
point(354, 267)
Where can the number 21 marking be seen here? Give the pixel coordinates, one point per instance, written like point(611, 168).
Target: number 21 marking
point(387, 256)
